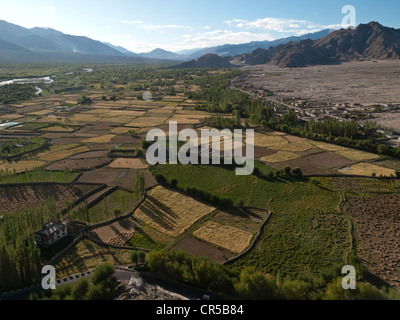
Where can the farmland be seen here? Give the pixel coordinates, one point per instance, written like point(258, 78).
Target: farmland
point(279, 223)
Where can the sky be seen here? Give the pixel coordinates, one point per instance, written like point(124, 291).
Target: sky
point(141, 26)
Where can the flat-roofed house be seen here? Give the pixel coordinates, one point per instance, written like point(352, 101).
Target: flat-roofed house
point(51, 232)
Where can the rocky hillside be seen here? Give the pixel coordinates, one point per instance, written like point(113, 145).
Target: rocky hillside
point(366, 42)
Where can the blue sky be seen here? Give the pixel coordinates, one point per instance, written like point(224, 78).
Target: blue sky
point(141, 26)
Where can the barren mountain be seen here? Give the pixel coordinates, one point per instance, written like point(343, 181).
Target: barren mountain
point(207, 61)
point(366, 42)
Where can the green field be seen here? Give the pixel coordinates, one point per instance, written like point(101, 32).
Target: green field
point(306, 233)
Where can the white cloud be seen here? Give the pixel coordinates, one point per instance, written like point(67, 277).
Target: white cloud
point(220, 37)
point(281, 25)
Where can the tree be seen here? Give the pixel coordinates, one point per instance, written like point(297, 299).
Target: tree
point(141, 257)
point(296, 172)
point(117, 213)
point(134, 257)
point(80, 289)
point(102, 272)
point(254, 285)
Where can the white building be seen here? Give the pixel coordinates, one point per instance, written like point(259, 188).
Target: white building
point(51, 232)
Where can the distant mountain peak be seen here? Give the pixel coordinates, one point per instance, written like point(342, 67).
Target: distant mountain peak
point(366, 42)
point(209, 60)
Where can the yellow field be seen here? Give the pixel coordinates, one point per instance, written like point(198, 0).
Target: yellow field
point(121, 120)
point(367, 169)
point(100, 139)
point(121, 130)
point(20, 166)
point(87, 118)
point(86, 255)
point(123, 113)
point(296, 147)
point(171, 212)
point(187, 118)
point(146, 122)
point(271, 141)
point(280, 156)
point(59, 155)
point(124, 163)
point(40, 113)
point(327, 146)
point(59, 128)
point(56, 148)
point(233, 239)
point(357, 155)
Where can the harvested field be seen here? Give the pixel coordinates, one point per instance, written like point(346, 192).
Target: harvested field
point(327, 146)
point(20, 166)
point(171, 212)
point(377, 226)
point(128, 163)
point(15, 198)
point(146, 122)
point(367, 169)
point(267, 140)
point(121, 130)
point(233, 239)
point(79, 164)
point(203, 249)
point(58, 155)
point(118, 233)
point(100, 139)
point(280, 156)
point(106, 176)
point(357, 155)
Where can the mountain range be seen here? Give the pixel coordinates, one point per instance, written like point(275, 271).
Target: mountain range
point(34, 45)
point(366, 42)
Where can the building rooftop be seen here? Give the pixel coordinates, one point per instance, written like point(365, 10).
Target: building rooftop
point(51, 227)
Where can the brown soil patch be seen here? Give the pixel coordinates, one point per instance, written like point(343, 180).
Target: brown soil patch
point(202, 249)
point(91, 154)
point(105, 176)
point(79, 164)
point(377, 222)
point(328, 160)
point(308, 168)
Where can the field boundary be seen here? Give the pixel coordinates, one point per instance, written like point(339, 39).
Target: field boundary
point(255, 239)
